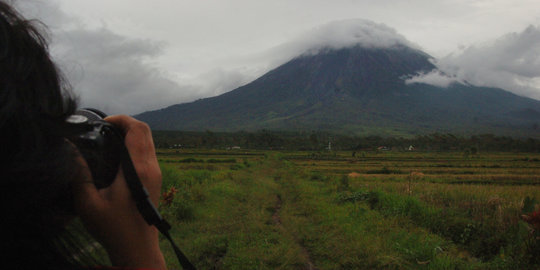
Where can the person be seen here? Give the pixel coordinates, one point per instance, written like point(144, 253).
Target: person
point(45, 183)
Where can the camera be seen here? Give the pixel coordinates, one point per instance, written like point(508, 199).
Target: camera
point(99, 142)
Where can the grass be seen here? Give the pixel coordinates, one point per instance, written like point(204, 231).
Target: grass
point(296, 210)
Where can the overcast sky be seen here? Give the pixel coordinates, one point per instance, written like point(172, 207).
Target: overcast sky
point(129, 56)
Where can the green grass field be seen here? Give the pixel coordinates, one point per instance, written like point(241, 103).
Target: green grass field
point(242, 209)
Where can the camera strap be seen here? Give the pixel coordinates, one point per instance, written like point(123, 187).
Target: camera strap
point(147, 209)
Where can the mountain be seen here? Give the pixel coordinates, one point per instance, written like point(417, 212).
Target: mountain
point(359, 90)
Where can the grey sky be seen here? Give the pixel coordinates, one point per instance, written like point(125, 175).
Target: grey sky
point(128, 56)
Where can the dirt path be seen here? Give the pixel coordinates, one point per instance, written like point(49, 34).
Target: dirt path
point(276, 217)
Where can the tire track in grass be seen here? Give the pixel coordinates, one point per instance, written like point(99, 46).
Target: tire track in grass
point(276, 218)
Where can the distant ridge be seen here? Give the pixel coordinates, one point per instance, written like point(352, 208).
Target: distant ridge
point(359, 91)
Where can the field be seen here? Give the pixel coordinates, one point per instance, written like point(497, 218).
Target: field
point(242, 209)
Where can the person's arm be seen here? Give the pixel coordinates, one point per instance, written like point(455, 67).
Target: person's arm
point(111, 215)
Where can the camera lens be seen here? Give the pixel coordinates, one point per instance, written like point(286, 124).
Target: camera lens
point(100, 144)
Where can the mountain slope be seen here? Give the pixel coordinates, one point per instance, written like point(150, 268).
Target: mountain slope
point(354, 90)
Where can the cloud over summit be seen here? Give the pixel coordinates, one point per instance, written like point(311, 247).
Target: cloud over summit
point(343, 34)
point(347, 33)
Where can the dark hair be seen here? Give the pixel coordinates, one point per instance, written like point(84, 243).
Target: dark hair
point(38, 165)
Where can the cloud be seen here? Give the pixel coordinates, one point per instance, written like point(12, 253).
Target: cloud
point(347, 33)
point(108, 71)
point(434, 77)
point(337, 35)
point(511, 62)
point(219, 80)
point(115, 73)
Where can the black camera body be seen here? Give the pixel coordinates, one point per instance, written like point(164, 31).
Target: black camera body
point(99, 142)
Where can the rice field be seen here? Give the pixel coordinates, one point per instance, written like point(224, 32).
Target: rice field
point(243, 209)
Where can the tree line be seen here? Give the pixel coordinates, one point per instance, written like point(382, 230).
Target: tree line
point(320, 141)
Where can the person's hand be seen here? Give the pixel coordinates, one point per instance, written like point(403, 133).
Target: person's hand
point(111, 215)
